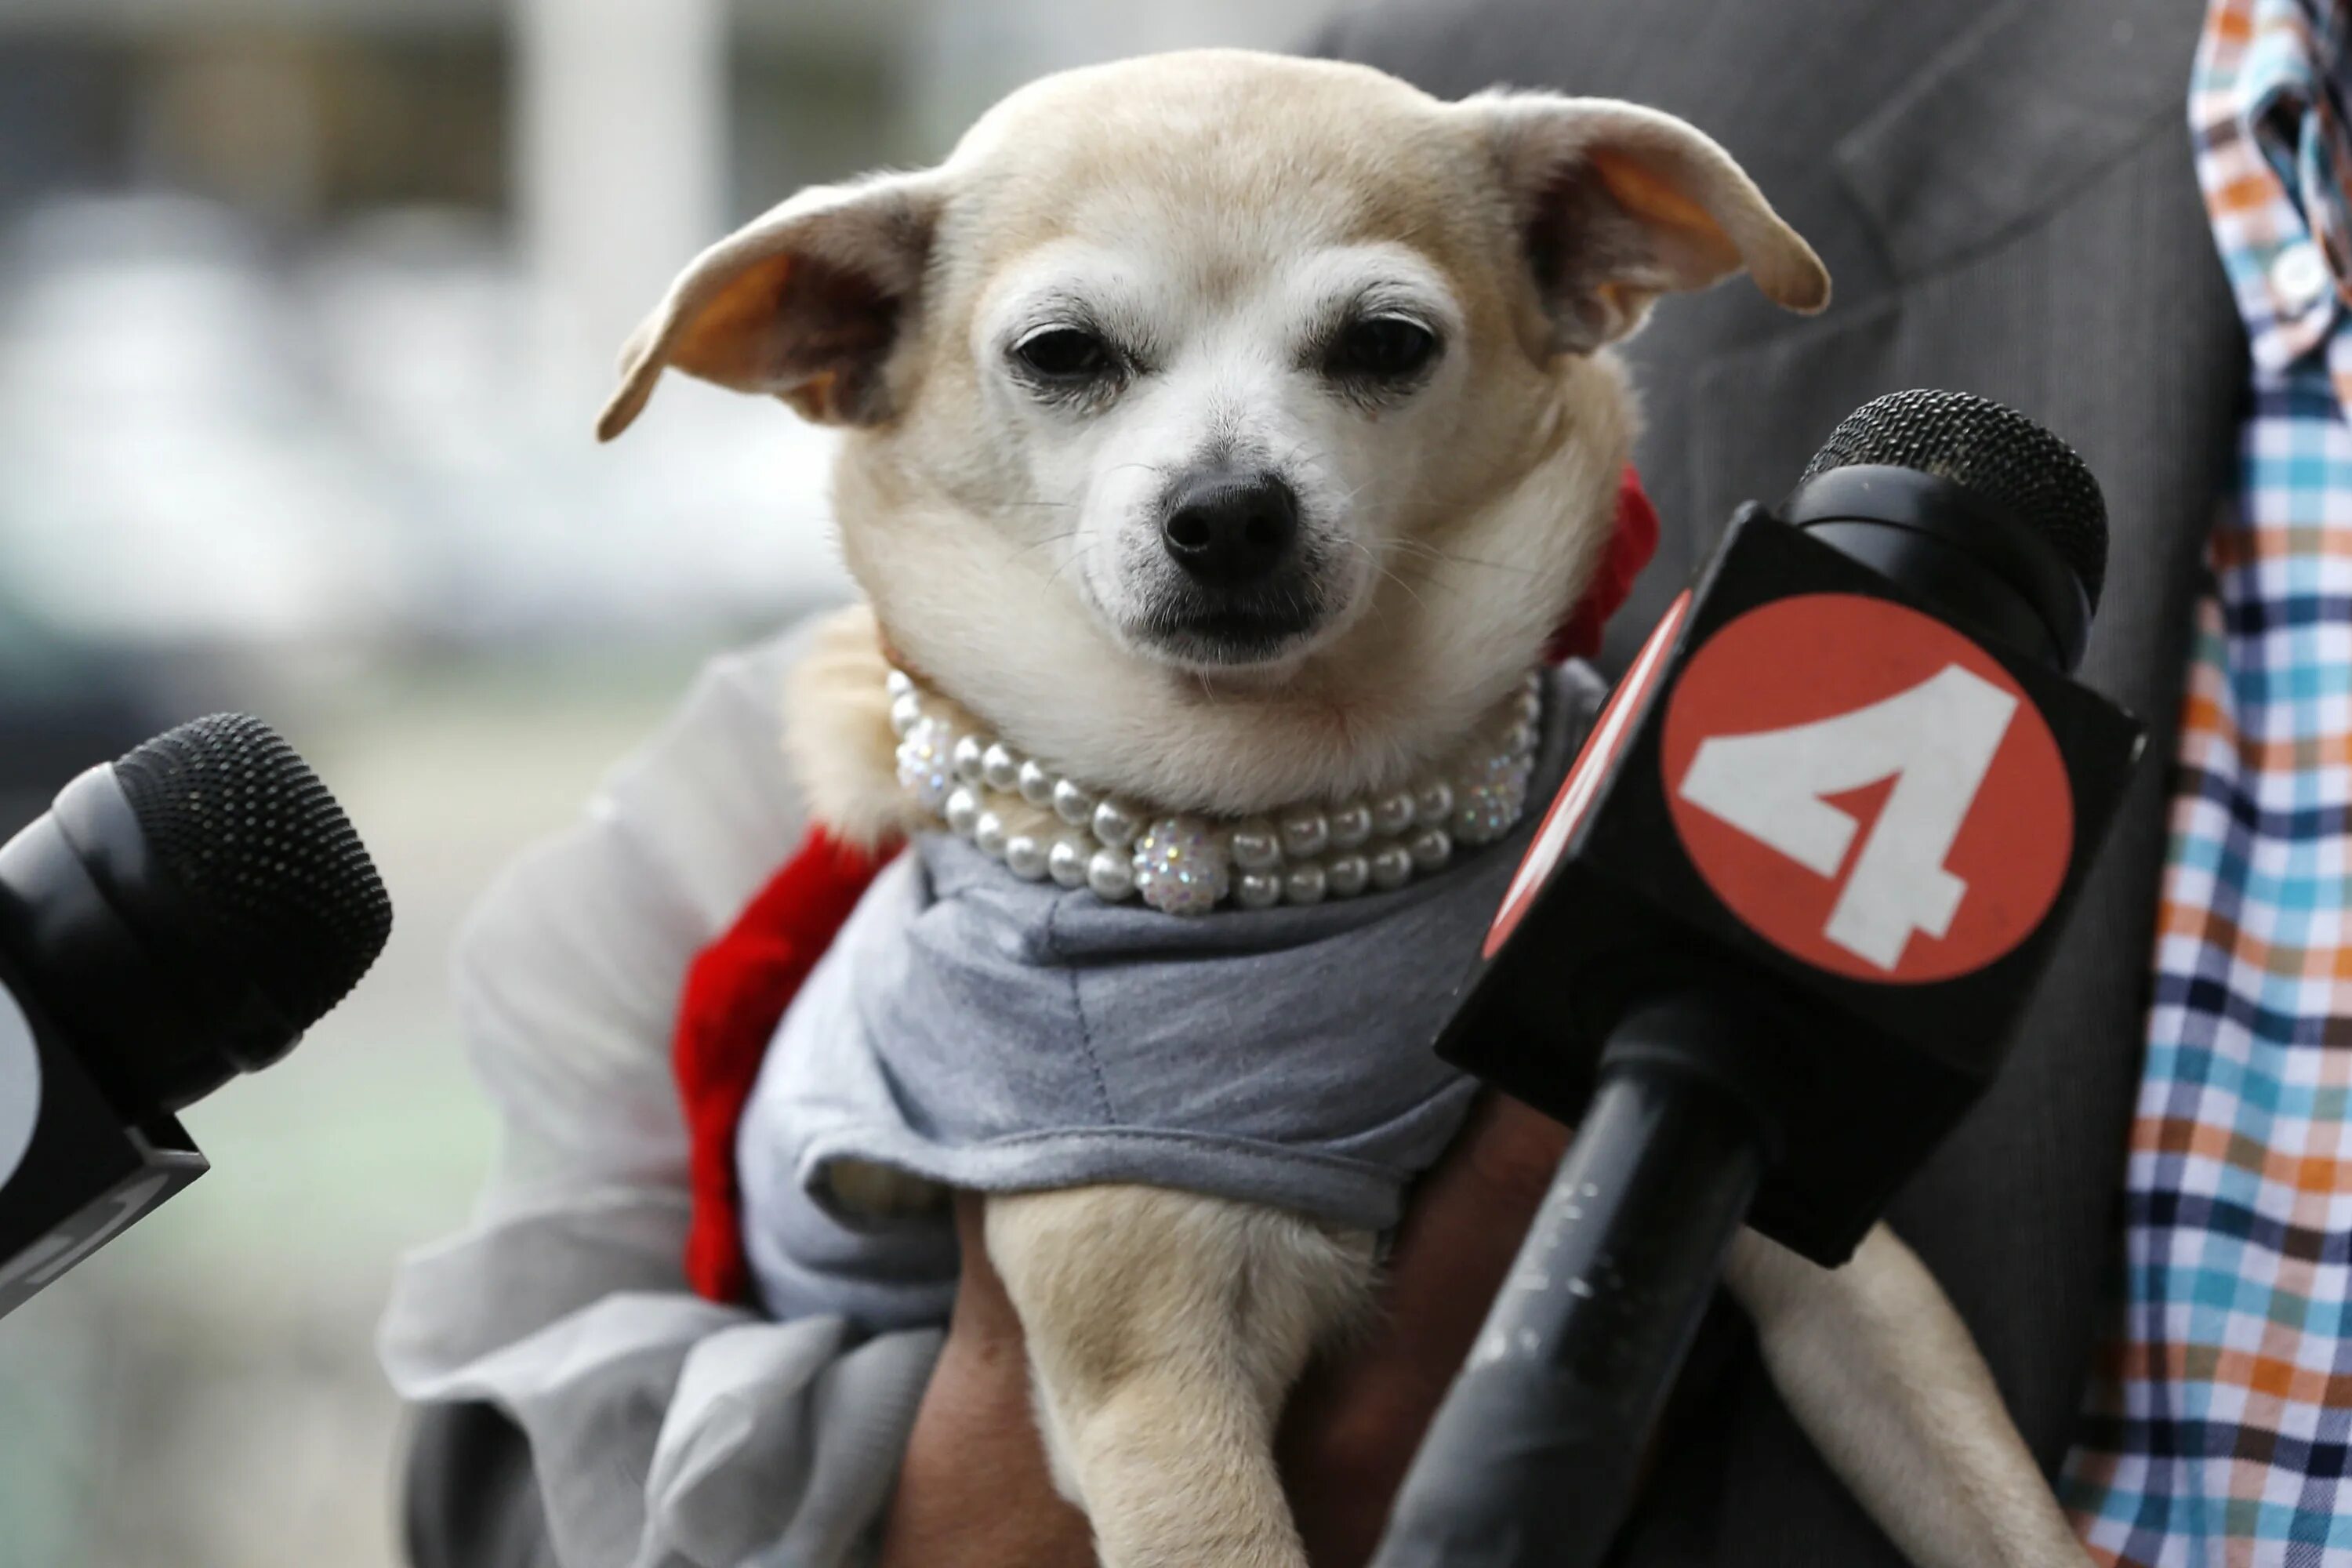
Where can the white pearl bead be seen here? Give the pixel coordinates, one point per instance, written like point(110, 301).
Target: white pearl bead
point(988, 832)
point(1036, 784)
point(1256, 848)
point(1066, 862)
point(1111, 875)
point(962, 810)
point(1350, 825)
point(1435, 803)
point(1391, 867)
point(1527, 708)
point(905, 712)
point(1000, 768)
point(1257, 889)
point(1072, 804)
point(897, 683)
point(1347, 875)
point(1430, 847)
point(1305, 834)
point(1025, 857)
point(1519, 739)
point(965, 758)
point(1115, 825)
point(1392, 814)
point(1306, 884)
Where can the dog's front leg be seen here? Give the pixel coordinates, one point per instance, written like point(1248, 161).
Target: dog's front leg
point(1880, 1372)
point(1165, 1331)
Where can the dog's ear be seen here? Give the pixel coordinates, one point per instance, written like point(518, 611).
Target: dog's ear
point(1617, 203)
point(805, 302)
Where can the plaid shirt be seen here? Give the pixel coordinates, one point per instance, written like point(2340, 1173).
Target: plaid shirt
point(2219, 1423)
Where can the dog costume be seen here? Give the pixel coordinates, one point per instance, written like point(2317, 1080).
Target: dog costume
point(940, 1016)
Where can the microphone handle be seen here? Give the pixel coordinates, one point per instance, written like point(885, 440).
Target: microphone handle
point(1533, 1458)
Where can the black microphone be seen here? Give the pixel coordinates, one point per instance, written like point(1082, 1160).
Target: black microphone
point(177, 917)
point(1771, 939)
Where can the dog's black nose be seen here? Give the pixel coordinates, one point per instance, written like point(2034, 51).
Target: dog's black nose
point(1230, 529)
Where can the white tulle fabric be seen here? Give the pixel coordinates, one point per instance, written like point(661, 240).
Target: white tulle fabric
point(666, 1432)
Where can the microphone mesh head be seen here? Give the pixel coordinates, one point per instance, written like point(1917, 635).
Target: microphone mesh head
point(268, 862)
point(1994, 451)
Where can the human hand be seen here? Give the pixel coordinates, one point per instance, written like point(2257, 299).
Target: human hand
point(975, 1492)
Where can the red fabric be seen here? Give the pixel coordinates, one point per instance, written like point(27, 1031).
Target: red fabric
point(736, 994)
point(1631, 544)
point(739, 986)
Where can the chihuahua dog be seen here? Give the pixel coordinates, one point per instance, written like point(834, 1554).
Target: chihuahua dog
point(1230, 431)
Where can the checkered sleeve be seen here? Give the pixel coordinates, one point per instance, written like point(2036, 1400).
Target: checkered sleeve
point(2217, 1428)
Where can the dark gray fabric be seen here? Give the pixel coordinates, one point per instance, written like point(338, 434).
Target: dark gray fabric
point(2005, 196)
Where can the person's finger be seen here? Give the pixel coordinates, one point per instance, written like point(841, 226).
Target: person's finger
point(1351, 1434)
point(974, 1491)
point(1465, 1224)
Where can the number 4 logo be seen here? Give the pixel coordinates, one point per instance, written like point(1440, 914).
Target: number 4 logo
point(1813, 698)
point(1935, 740)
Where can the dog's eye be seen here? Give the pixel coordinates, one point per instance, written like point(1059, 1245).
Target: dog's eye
point(1382, 348)
point(1064, 353)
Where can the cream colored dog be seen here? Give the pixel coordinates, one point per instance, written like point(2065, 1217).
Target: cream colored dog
point(1374, 326)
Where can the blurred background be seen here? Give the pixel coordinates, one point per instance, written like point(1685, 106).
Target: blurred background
point(305, 309)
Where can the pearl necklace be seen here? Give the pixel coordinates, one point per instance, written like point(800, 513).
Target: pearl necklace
point(1188, 865)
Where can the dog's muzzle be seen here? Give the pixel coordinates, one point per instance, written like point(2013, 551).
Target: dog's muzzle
point(1243, 586)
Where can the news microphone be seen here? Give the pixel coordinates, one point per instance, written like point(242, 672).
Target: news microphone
point(1771, 938)
point(176, 918)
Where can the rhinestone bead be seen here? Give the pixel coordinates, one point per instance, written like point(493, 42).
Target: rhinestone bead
point(1431, 848)
point(1255, 846)
point(1350, 825)
point(1036, 784)
point(1066, 862)
point(1306, 884)
point(988, 832)
point(1025, 857)
point(966, 757)
point(1484, 813)
point(1000, 768)
point(1391, 866)
point(962, 810)
point(1257, 889)
point(1305, 835)
point(1435, 803)
point(1392, 814)
point(1179, 867)
point(905, 712)
point(1072, 804)
point(1115, 825)
point(923, 769)
point(1111, 875)
point(1347, 875)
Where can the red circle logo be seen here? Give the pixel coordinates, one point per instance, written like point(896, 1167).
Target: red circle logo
point(1867, 789)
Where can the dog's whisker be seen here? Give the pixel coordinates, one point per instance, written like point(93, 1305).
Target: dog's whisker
point(1041, 543)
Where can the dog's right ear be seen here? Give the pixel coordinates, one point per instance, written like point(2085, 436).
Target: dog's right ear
point(805, 302)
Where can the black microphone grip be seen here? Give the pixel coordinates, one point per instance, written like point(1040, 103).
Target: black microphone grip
point(1534, 1454)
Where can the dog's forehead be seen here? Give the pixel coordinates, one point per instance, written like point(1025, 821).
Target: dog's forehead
point(1241, 155)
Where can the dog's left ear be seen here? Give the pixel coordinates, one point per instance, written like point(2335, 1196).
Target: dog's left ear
point(1618, 203)
point(804, 304)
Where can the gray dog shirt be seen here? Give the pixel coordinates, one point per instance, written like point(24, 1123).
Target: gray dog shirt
point(996, 1035)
